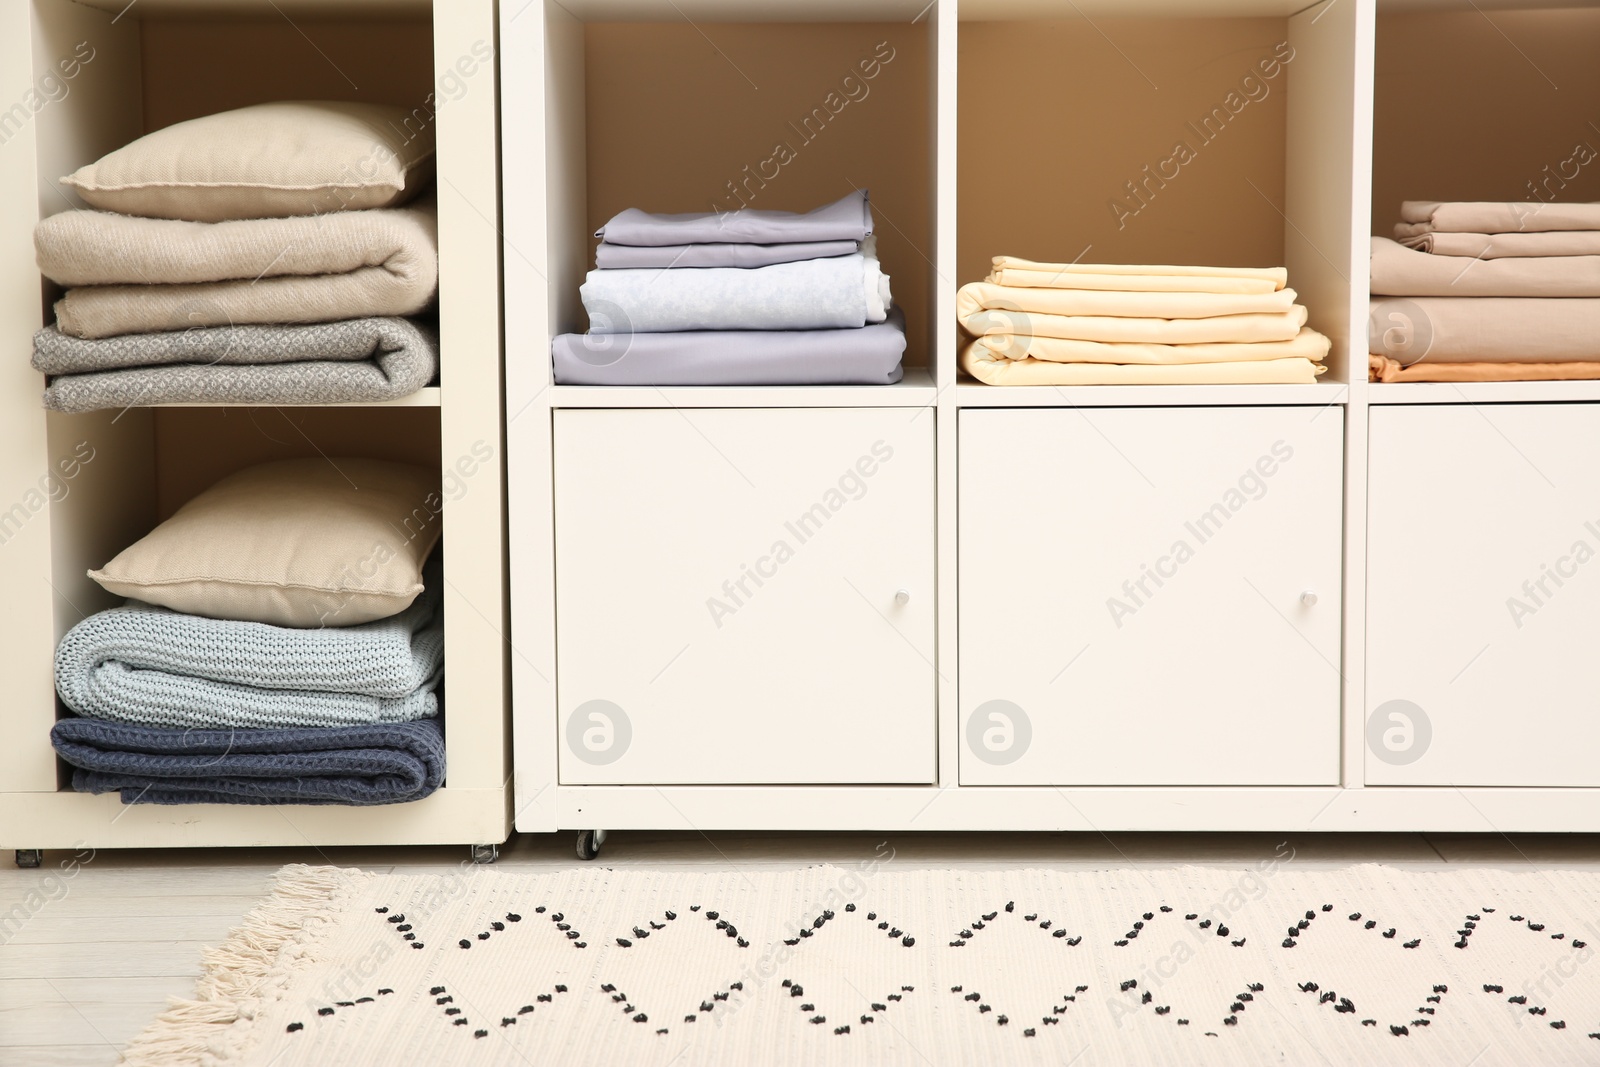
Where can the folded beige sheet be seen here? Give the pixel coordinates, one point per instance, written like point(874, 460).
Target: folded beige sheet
point(1384, 369)
point(991, 368)
point(1307, 344)
point(1501, 245)
point(1026, 273)
point(1453, 329)
point(1401, 271)
point(1481, 217)
point(975, 298)
point(138, 275)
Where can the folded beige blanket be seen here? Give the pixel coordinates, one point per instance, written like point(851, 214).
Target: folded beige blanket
point(138, 275)
point(1026, 273)
point(1501, 245)
point(1453, 329)
point(1517, 217)
point(1401, 271)
point(991, 368)
point(1307, 344)
point(1384, 369)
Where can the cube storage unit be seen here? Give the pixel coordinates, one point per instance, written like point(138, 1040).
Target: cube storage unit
point(86, 78)
point(1088, 608)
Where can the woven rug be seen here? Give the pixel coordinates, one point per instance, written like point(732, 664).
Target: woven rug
point(873, 965)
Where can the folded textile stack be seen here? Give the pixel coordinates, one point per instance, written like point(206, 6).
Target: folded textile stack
point(1110, 324)
point(284, 644)
point(1487, 292)
point(737, 298)
point(254, 256)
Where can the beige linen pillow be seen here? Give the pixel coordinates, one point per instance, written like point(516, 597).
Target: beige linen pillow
point(294, 157)
point(298, 542)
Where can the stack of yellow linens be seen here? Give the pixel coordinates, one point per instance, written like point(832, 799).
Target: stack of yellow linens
point(1113, 324)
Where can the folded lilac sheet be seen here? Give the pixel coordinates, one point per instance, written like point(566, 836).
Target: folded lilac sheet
point(643, 257)
point(849, 219)
point(869, 355)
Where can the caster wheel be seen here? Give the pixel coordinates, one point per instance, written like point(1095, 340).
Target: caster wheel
point(482, 854)
point(29, 857)
point(589, 842)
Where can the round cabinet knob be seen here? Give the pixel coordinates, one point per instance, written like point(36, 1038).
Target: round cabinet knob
point(902, 596)
point(1308, 598)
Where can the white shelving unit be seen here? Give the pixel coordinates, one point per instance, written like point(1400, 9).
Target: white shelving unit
point(1045, 500)
point(149, 65)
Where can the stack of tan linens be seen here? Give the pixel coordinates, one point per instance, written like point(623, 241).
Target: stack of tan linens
point(1487, 292)
point(1113, 324)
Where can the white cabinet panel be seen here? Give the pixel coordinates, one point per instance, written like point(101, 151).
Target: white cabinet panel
point(745, 596)
point(1483, 593)
point(1150, 596)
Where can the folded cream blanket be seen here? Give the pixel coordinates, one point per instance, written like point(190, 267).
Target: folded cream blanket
point(1026, 273)
point(1502, 245)
point(1426, 216)
point(1453, 329)
point(1384, 369)
point(136, 275)
point(991, 368)
point(350, 361)
point(1401, 271)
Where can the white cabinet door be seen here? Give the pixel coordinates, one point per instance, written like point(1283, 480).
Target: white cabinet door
point(1483, 595)
point(1150, 596)
point(745, 596)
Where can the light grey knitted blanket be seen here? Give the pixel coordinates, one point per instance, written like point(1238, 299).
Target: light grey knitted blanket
point(352, 361)
point(155, 667)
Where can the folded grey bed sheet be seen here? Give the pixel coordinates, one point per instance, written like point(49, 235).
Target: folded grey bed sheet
point(608, 256)
point(381, 763)
point(869, 355)
point(351, 361)
point(819, 294)
point(846, 219)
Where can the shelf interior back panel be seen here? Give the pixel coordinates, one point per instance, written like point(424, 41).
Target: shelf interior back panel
point(715, 117)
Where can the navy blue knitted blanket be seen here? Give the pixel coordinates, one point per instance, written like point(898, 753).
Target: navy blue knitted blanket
point(383, 763)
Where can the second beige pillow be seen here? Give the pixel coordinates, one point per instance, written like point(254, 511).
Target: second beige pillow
point(300, 542)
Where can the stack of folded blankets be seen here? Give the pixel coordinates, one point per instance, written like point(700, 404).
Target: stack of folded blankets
point(744, 297)
point(1487, 292)
point(263, 255)
point(1111, 324)
point(283, 644)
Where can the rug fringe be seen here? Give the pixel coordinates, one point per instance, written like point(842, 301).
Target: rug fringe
point(258, 956)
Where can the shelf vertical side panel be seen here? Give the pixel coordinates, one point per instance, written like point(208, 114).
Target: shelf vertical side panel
point(471, 412)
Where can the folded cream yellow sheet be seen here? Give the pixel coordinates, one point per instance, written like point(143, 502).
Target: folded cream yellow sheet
point(977, 297)
point(1307, 344)
point(1026, 273)
point(1384, 369)
point(994, 369)
point(1221, 329)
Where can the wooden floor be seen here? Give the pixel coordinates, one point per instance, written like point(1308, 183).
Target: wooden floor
point(93, 954)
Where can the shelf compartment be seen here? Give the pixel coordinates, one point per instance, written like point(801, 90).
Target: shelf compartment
point(1211, 139)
